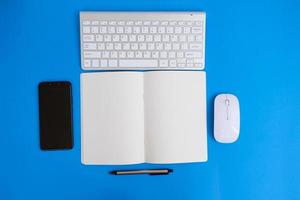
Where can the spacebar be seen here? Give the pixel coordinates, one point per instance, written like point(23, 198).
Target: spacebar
point(138, 63)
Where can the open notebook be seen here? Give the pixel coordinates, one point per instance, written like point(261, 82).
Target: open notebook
point(137, 117)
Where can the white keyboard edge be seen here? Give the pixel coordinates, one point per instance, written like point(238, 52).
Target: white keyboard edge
point(90, 15)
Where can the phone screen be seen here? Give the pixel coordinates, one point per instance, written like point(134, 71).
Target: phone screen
point(55, 109)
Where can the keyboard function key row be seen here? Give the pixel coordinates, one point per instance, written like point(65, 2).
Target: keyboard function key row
point(145, 23)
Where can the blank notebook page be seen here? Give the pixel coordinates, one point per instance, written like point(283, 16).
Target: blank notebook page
point(175, 116)
point(112, 116)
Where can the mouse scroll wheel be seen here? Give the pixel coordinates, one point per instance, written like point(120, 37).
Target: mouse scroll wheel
point(227, 102)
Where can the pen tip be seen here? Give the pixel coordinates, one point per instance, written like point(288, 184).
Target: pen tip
point(113, 172)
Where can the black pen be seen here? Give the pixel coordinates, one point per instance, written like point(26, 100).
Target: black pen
point(142, 171)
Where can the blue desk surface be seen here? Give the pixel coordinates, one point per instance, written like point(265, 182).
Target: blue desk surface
point(253, 51)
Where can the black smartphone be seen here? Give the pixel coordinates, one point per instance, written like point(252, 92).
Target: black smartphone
point(55, 113)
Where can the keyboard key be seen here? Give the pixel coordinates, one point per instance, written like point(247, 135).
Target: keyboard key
point(165, 38)
point(149, 38)
point(95, 23)
point(184, 46)
point(189, 23)
point(109, 46)
point(121, 23)
point(95, 63)
point(103, 23)
point(138, 63)
point(198, 38)
point(141, 38)
point(101, 46)
point(172, 54)
point(190, 61)
point(126, 46)
point(159, 46)
point(192, 54)
point(182, 38)
point(163, 63)
point(118, 46)
point(138, 23)
point(116, 38)
point(151, 46)
point(136, 29)
point(142, 46)
point(178, 30)
point(180, 54)
point(155, 54)
point(197, 60)
point(128, 30)
point(153, 30)
point(130, 54)
point(195, 46)
point(157, 38)
point(86, 29)
point(87, 63)
point(124, 38)
point(172, 23)
point(132, 38)
point(88, 38)
point(164, 23)
point(173, 63)
point(99, 38)
point(103, 29)
point(86, 22)
point(161, 30)
point(181, 61)
point(145, 29)
point(129, 23)
point(196, 29)
point(105, 54)
point(104, 63)
point(191, 38)
point(114, 54)
point(181, 23)
point(92, 54)
point(170, 29)
point(120, 29)
point(186, 29)
point(112, 63)
point(147, 54)
point(138, 54)
point(111, 29)
point(134, 46)
point(147, 23)
point(176, 46)
point(89, 46)
point(168, 46)
point(122, 54)
point(174, 38)
point(198, 65)
point(155, 23)
point(95, 29)
point(163, 54)
point(107, 38)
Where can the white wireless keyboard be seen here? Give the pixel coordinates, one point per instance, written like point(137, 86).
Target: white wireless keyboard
point(142, 40)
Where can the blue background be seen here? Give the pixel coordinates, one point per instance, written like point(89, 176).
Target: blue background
point(252, 50)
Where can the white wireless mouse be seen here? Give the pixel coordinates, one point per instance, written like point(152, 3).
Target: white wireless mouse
point(226, 118)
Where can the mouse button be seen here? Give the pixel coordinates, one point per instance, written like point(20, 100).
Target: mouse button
point(227, 102)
